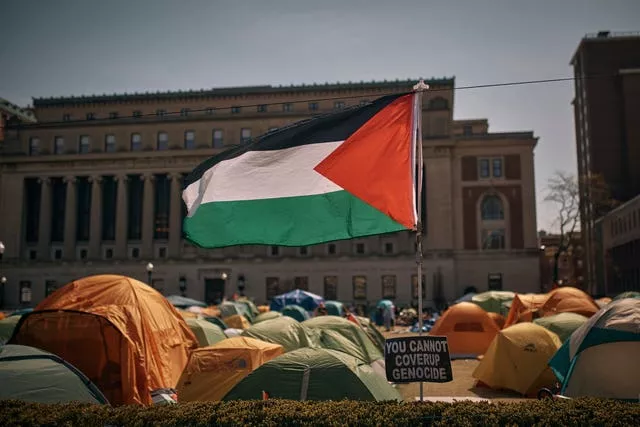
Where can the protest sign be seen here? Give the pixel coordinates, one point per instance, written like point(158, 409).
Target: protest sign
point(418, 359)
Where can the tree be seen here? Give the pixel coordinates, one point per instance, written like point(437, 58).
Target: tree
point(563, 191)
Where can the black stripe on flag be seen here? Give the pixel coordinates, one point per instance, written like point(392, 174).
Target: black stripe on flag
point(323, 128)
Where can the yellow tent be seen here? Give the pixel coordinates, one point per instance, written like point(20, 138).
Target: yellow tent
point(517, 359)
point(237, 321)
point(212, 371)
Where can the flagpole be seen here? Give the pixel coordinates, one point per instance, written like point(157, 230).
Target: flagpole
point(420, 87)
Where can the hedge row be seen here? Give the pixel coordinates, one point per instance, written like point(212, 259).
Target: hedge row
point(579, 412)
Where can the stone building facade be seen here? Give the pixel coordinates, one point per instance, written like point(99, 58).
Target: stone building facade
point(95, 187)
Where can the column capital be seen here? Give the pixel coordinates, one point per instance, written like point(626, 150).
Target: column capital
point(148, 176)
point(95, 179)
point(44, 180)
point(175, 176)
point(121, 178)
point(70, 179)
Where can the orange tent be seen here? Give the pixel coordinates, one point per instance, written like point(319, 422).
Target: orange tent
point(498, 318)
point(468, 328)
point(122, 334)
point(523, 308)
point(567, 299)
point(237, 321)
point(213, 371)
point(264, 308)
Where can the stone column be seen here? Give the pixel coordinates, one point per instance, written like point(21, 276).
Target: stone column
point(44, 232)
point(95, 236)
point(122, 215)
point(148, 219)
point(175, 215)
point(70, 214)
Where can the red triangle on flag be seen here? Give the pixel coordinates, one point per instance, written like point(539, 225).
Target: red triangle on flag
point(375, 164)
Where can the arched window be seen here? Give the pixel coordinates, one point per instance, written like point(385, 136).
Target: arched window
point(438, 103)
point(492, 209)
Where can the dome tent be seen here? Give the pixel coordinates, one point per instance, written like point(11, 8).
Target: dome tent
point(334, 308)
point(562, 324)
point(493, 301)
point(568, 299)
point(7, 326)
point(295, 312)
point(600, 358)
point(304, 299)
point(33, 375)
point(314, 374)
point(206, 332)
point(184, 302)
point(121, 333)
point(266, 316)
point(287, 332)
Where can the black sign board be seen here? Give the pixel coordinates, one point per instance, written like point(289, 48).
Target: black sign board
point(418, 359)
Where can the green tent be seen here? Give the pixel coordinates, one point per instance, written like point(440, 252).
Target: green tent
point(314, 374)
point(373, 332)
point(285, 331)
point(7, 326)
point(630, 294)
point(336, 332)
point(295, 312)
point(492, 301)
point(217, 321)
point(562, 324)
point(33, 375)
point(206, 332)
point(250, 306)
point(334, 308)
point(228, 309)
point(266, 316)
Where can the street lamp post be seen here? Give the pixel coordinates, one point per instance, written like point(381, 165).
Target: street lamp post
point(149, 273)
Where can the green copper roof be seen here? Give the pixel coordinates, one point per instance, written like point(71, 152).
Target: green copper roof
point(14, 110)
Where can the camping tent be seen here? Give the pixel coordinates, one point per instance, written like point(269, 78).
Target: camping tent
point(523, 307)
point(372, 331)
point(213, 371)
point(229, 309)
point(334, 308)
point(237, 321)
point(33, 375)
point(121, 333)
point(562, 324)
point(287, 332)
point(601, 357)
point(250, 306)
point(314, 374)
point(567, 299)
point(630, 294)
point(7, 325)
point(295, 312)
point(498, 318)
point(206, 332)
point(266, 316)
point(468, 328)
point(493, 301)
point(184, 302)
point(517, 359)
point(304, 299)
point(217, 321)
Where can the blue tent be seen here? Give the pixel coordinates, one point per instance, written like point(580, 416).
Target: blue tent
point(184, 302)
point(304, 299)
point(384, 303)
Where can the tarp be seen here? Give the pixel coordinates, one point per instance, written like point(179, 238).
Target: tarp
point(121, 333)
point(184, 302)
point(213, 371)
point(237, 321)
point(517, 359)
point(468, 328)
point(523, 307)
point(314, 374)
point(7, 325)
point(567, 299)
point(295, 312)
point(562, 324)
point(34, 375)
point(206, 332)
point(493, 301)
point(600, 359)
point(266, 316)
point(287, 332)
point(334, 308)
point(304, 299)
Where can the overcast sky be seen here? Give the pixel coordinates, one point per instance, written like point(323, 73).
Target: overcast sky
point(65, 47)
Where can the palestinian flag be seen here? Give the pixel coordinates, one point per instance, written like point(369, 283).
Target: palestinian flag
point(337, 176)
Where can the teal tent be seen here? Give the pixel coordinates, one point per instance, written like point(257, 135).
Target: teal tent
point(295, 312)
point(629, 294)
point(334, 308)
point(7, 325)
point(33, 375)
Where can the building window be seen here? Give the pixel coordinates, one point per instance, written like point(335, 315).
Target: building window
point(274, 250)
point(245, 135)
point(272, 287)
point(301, 282)
point(262, 108)
point(359, 287)
point(338, 105)
point(137, 114)
point(58, 202)
point(135, 253)
point(189, 140)
point(490, 168)
point(109, 204)
point(491, 208)
point(496, 168)
point(184, 112)
point(110, 143)
point(58, 145)
point(83, 254)
point(83, 209)
point(218, 138)
point(163, 141)
point(314, 106)
point(25, 292)
point(57, 254)
point(66, 117)
point(209, 111)
point(108, 254)
point(50, 287)
point(162, 253)
point(113, 115)
point(414, 286)
point(303, 251)
point(359, 248)
point(332, 249)
point(34, 146)
point(91, 116)
point(388, 248)
point(33, 254)
point(161, 113)
point(467, 130)
point(162, 201)
point(235, 110)
point(389, 286)
point(134, 214)
point(287, 107)
point(84, 144)
point(493, 239)
point(136, 142)
point(485, 172)
point(330, 288)
point(33, 191)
